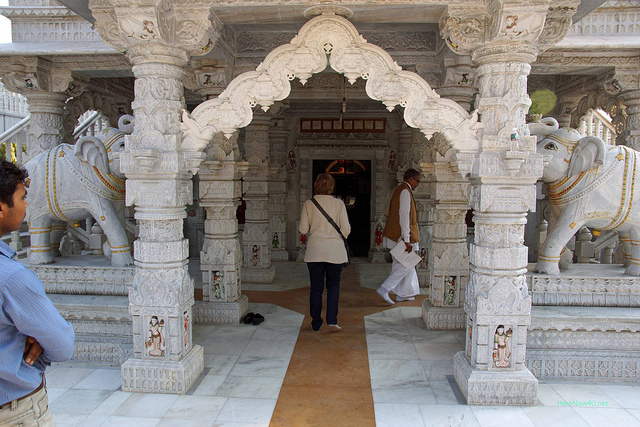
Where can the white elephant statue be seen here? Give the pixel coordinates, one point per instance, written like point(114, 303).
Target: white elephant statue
point(589, 184)
point(69, 183)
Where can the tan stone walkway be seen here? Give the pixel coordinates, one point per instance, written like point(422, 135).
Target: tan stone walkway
point(328, 381)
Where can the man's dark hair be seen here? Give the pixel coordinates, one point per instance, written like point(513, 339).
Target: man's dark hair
point(10, 176)
point(410, 173)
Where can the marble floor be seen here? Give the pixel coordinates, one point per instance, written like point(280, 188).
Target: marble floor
point(254, 374)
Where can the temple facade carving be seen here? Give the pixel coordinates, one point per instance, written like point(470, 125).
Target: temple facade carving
point(235, 119)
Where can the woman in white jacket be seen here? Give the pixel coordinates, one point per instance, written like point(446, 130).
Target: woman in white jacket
point(326, 252)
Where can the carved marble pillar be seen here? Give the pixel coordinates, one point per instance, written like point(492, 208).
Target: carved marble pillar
point(567, 105)
point(46, 128)
point(448, 257)
point(159, 165)
point(306, 192)
point(497, 303)
point(381, 193)
point(503, 39)
point(278, 190)
point(460, 80)
point(221, 256)
point(419, 156)
point(631, 134)
point(159, 186)
point(210, 77)
point(46, 89)
point(292, 202)
point(256, 238)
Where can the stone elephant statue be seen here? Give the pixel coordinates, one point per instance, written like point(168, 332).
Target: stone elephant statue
point(589, 184)
point(69, 183)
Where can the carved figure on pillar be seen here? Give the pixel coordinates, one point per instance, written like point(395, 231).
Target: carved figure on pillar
point(378, 234)
point(155, 342)
point(502, 347)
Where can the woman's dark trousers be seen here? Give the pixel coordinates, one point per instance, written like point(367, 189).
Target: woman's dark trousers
point(317, 273)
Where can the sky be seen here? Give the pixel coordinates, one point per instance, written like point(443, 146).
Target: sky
point(5, 25)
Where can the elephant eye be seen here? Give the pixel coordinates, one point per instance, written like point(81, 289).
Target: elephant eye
point(551, 146)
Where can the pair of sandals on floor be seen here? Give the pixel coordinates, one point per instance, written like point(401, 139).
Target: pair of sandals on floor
point(253, 318)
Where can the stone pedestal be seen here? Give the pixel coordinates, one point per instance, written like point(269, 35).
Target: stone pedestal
point(494, 387)
point(221, 312)
point(140, 375)
point(442, 318)
point(585, 343)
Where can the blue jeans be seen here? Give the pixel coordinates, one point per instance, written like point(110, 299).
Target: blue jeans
point(317, 273)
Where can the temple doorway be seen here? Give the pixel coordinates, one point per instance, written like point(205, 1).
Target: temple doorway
point(353, 186)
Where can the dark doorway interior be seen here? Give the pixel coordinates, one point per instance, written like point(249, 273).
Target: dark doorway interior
point(353, 186)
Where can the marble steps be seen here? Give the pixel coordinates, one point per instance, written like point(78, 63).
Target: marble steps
point(585, 285)
point(102, 325)
point(83, 275)
point(584, 343)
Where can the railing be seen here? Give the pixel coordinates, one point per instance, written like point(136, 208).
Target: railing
point(595, 123)
point(13, 102)
point(93, 123)
point(13, 150)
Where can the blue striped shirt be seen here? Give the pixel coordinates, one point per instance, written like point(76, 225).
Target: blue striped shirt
point(27, 311)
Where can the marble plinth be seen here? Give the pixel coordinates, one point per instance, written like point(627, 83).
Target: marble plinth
point(423, 279)
point(586, 343)
point(379, 257)
point(494, 387)
point(442, 318)
point(102, 327)
point(221, 312)
point(83, 275)
point(258, 275)
point(159, 376)
point(279, 255)
point(586, 285)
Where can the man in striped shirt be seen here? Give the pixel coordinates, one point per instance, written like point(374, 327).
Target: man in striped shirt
point(32, 332)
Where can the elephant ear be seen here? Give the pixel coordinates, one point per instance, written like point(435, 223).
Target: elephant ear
point(91, 150)
point(588, 153)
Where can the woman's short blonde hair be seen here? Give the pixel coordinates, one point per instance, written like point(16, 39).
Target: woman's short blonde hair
point(325, 184)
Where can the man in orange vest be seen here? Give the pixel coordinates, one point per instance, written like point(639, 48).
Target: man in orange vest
point(401, 226)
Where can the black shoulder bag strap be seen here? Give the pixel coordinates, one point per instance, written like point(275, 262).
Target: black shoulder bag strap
point(332, 222)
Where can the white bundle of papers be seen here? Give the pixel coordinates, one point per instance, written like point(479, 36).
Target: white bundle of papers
point(407, 259)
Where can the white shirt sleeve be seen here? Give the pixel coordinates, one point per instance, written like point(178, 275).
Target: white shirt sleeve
point(405, 208)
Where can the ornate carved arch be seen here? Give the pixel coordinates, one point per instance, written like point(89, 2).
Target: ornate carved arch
point(331, 39)
point(606, 102)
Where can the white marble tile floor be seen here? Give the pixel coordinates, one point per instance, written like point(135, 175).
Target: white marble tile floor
point(245, 366)
point(398, 371)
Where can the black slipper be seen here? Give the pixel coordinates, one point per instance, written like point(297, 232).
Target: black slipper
point(258, 318)
point(248, 318)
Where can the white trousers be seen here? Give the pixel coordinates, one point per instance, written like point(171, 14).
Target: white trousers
point(402, 281)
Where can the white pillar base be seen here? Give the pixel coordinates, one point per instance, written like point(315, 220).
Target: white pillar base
point(160, 376)
point(378, 257)
point(258, 275)
point(494, 387)
point(279, 255)
point(221, 312)
point(442, 318)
